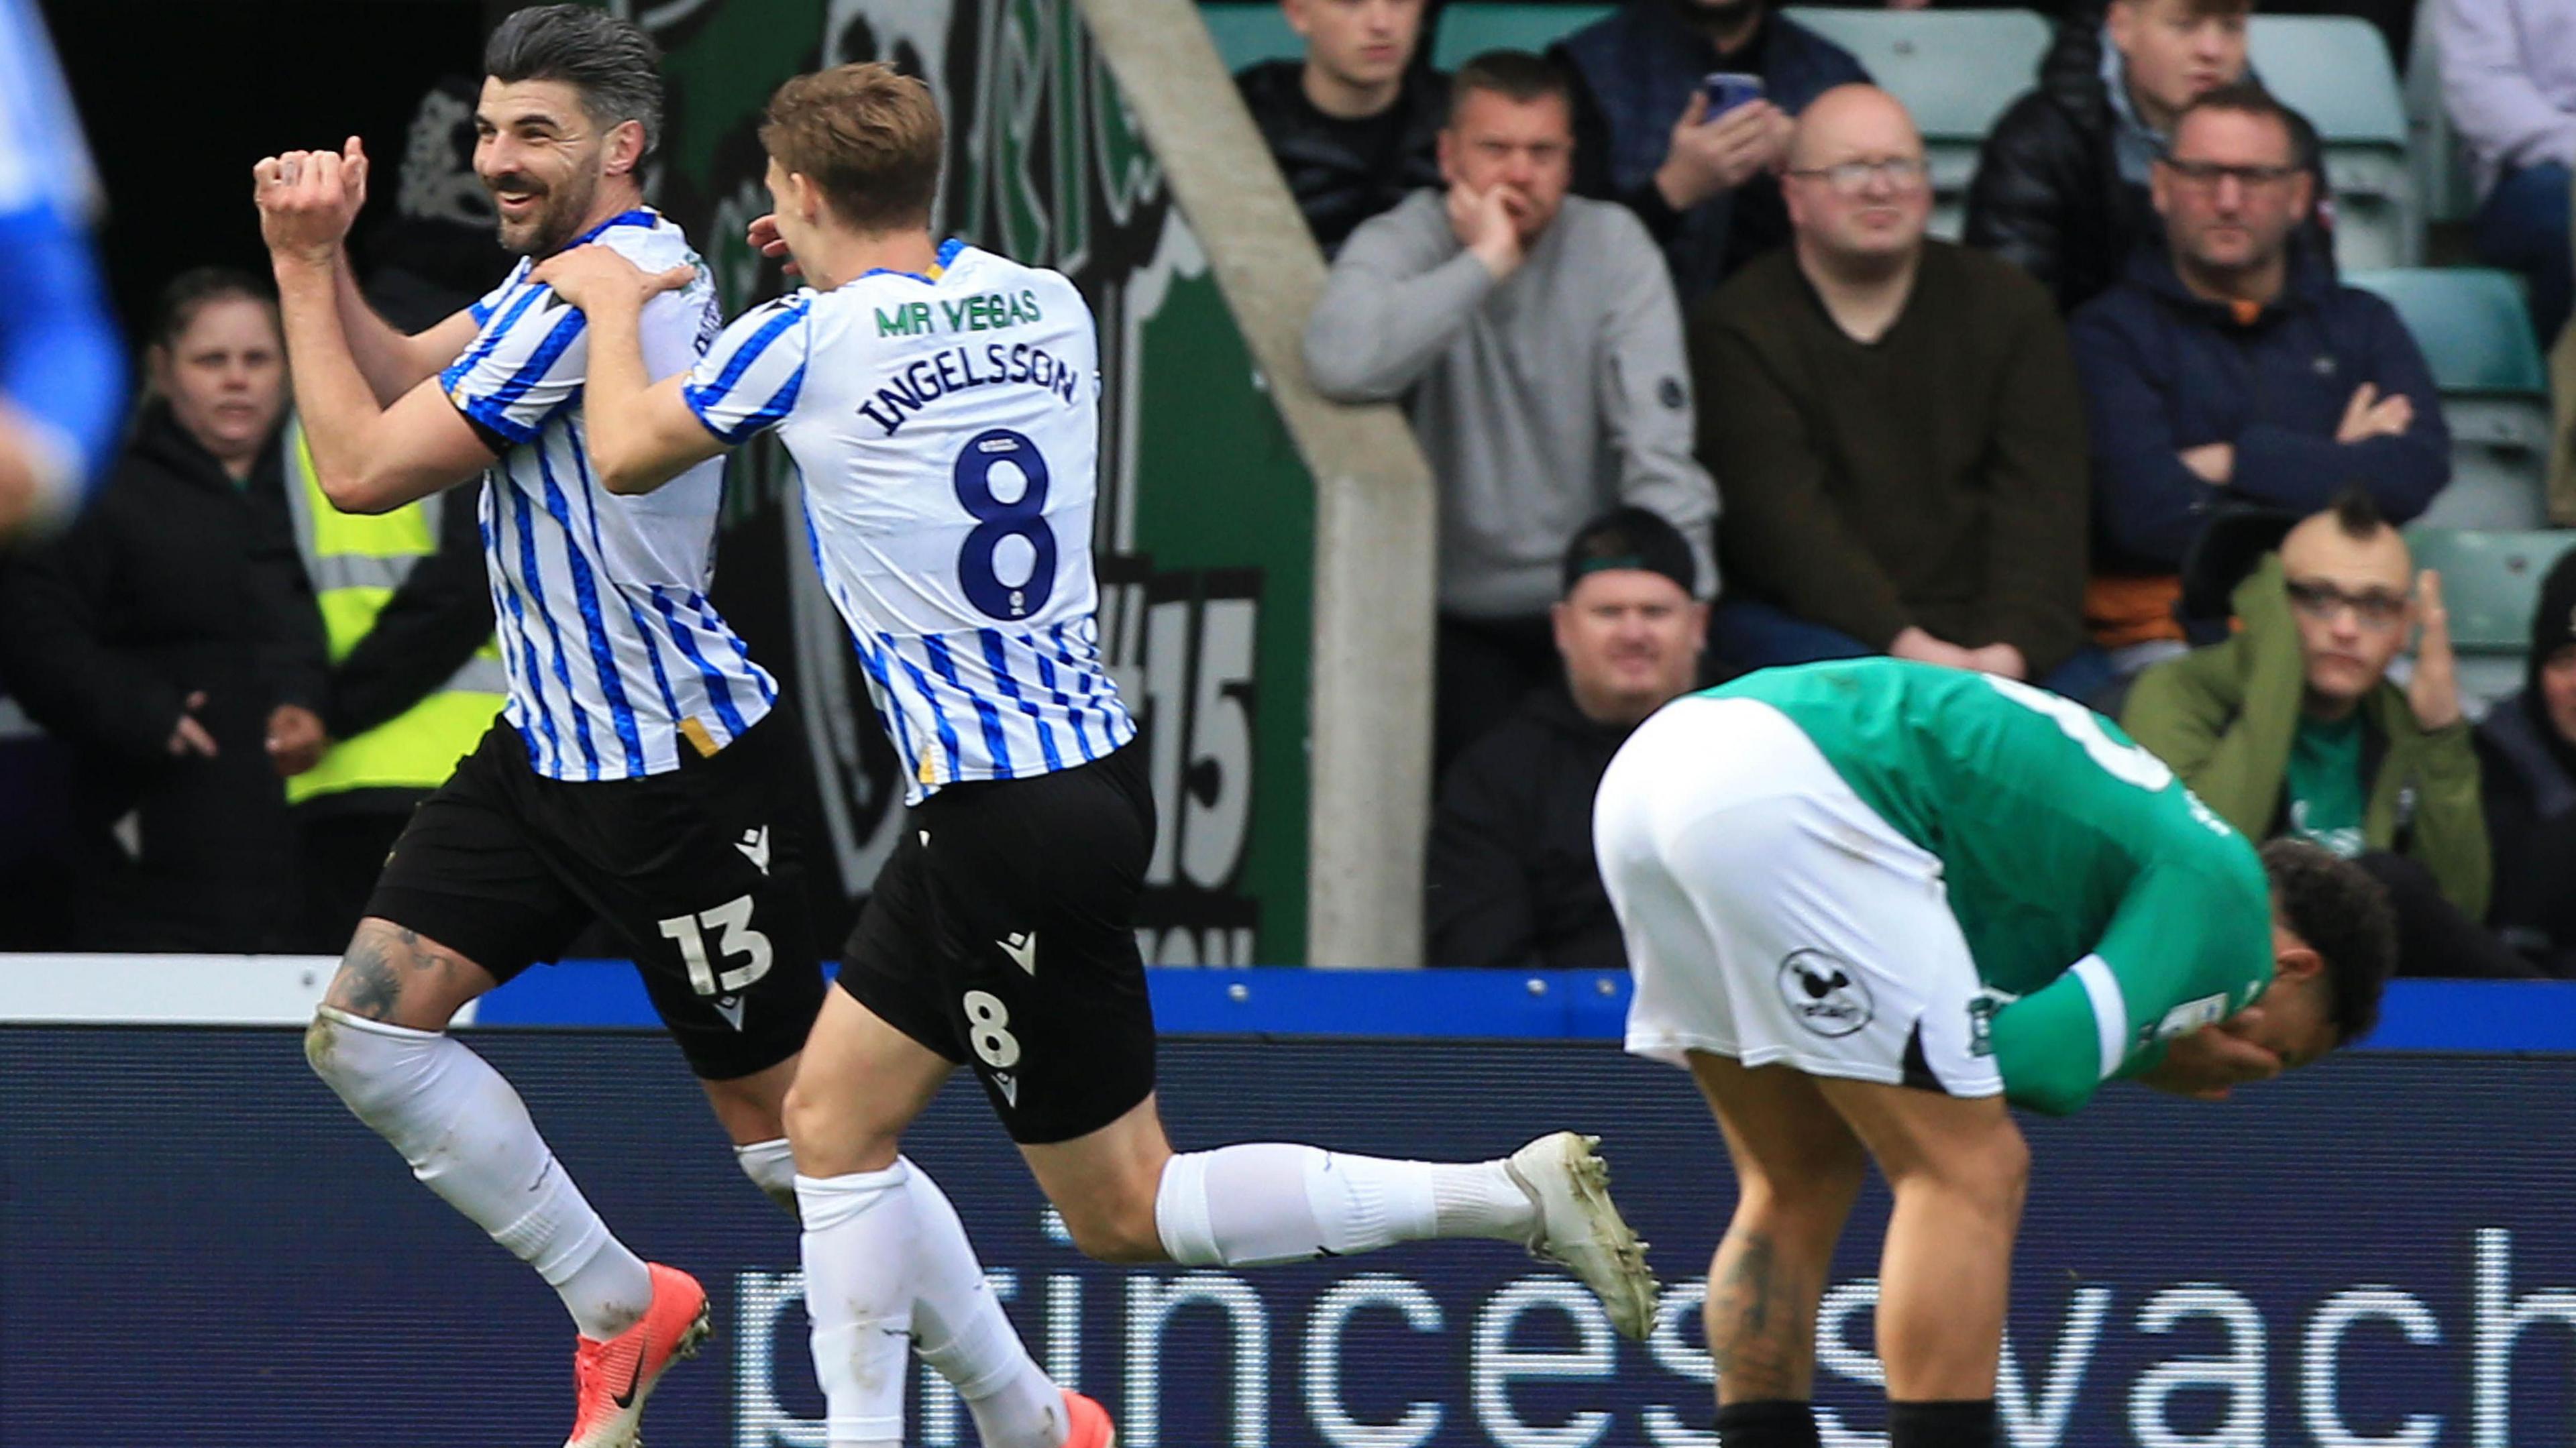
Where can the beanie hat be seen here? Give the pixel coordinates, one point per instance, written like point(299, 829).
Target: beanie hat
point(2553, 622)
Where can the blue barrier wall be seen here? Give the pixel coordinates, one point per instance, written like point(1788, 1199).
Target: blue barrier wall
point(1577, 1005)
point(198, 1246)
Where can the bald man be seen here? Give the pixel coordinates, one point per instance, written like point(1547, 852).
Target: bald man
point(2292, 727)
point(1897, 422)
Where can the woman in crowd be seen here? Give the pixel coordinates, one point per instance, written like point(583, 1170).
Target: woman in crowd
point(157, 636)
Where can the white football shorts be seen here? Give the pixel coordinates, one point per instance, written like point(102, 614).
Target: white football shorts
point(1773, 917)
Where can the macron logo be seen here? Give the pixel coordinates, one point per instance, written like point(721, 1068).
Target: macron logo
point(730, 1007)
point(1022, 948)
point(1009, 1086)
point(754, 845)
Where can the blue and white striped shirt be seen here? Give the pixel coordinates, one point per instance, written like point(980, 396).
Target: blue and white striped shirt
point(616, 660)
point(948, 430)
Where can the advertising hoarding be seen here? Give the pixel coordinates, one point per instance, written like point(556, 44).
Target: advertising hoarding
point(199, 1246)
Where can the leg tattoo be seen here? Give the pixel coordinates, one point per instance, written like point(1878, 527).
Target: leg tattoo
point(1761, 1320)
point(381, 962)
point(368, 985)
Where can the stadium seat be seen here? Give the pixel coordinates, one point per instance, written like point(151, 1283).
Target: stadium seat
point(1955, 70)
point(2490, 584)
point(2336, 71)
point(1246, 33)
point(2476, 336)
point(1254, 30)
point(2442, 179)
point(1469, 30)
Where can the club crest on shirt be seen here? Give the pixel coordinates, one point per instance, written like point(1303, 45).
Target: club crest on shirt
point(1825, 992)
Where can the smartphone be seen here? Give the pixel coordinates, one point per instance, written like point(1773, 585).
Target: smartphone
point(1727, 89)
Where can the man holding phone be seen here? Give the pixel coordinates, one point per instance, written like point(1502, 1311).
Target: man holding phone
point(1682, 112)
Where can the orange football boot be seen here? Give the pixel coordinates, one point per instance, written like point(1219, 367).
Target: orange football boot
point(611, 1379)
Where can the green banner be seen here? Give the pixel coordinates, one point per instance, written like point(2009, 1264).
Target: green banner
point(1205, 531)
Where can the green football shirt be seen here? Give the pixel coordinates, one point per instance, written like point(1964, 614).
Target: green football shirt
point(2105, 906)
point(2324, 784)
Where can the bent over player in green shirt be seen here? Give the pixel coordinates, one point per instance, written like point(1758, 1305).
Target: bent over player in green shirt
point(1869, 903)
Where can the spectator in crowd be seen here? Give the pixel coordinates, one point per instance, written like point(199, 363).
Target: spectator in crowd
point(2527, 765)
point(2562, 423)
point(1535, 339)
point(1355, 126)
point(156, 637)
point(405, 609)
point(2509, 83)
point(2292, 726)
point(59, 360)
point(2063, 180)
point(2229, 370)
point(1511, 878)
point(1646, 136)
point(405, 677)
point(1899, 429)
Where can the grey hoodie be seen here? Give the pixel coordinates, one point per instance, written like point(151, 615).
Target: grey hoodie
point(1541, 400)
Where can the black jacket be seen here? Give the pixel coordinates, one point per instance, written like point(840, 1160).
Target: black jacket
point(2528, 779)
point(2048, 194)
point(1511, 881)
point(2165, 370)
point(175, 581)
point(1344, 172)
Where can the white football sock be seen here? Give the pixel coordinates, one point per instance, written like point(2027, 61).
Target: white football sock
point(468, 1138)
point(1480, 1199)
point(960, 1329)
point(772, 1168)
point(862, 1246)
point(1268, 1202)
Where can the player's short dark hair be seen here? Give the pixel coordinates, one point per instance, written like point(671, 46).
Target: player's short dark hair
point(1512, 74)
point(184, 295)
point(2357, 513)
point(613, 64)
point(868, 135)
point(2344, 916)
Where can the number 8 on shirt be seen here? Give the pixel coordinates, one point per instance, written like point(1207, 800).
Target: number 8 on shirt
point(946, 424)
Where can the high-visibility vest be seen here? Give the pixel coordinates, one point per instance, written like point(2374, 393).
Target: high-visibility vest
point(355, 563)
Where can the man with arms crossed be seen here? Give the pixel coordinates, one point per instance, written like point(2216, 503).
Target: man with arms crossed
point(642, 770)
point(1868, 904)
point(942, 404)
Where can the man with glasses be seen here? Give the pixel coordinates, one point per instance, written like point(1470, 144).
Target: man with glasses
point(1897, 425)
point(2230, 371)
point(2062, 183)
point(2293, 727)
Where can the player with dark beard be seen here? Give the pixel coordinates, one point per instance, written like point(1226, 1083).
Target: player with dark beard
point(643, 770)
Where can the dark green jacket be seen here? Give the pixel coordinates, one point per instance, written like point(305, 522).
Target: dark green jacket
point(2224, 718)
